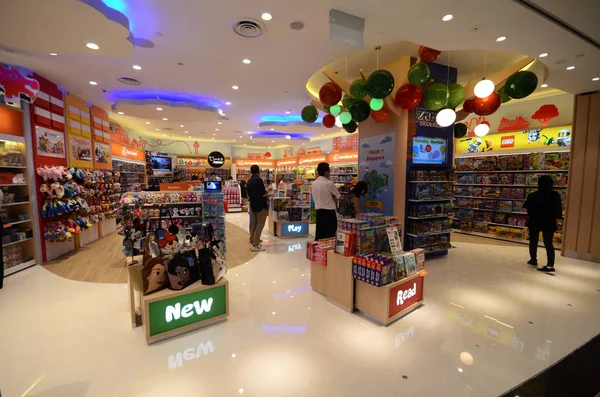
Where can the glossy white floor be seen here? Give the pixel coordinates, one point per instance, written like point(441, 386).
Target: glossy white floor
point(489, 322)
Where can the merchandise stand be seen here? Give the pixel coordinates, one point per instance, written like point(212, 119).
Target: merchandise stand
point(318, 277)
point(340, 282)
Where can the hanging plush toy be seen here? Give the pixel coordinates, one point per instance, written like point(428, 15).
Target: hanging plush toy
point(57, 190)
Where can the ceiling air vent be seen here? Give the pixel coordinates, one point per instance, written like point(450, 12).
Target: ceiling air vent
point(129, 80)
point(249, 28)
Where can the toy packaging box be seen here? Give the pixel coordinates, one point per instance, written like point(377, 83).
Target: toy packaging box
point(410, 263)
point(535, 161)
point(374, 218)
point(374, 269)
point(365, 241)
point(345, 242)
point(556, 161)
point(419, 257)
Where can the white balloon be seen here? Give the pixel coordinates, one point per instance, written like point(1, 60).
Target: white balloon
point(482, 129)
point(484, 88)
point(445, 117)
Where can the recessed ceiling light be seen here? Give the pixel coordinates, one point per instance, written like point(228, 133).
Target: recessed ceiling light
point(147, 122)
point(181, 125)
point(158, 108)
point(187, 132)
point(164, 134)
point(214, 134)
point(273, 141)
point(120, 112)
point(240, 137)
point(165, 119)
point(216, 129)
point(137, 67)
point(244, 144)
point(570, 67)
point(287, 112)
point(213, 139)
point(596, 79)
point(266, 16)
point(92, 46)
point(158, 129)
point(235, 87)
point(93, 83)
point(227, 103)
point(543, 55)
point(302, 144)
point(501, 38)
point(272, 129)
point(544, 85)
point(447, 17)
point(53, 54)
point(246, 61)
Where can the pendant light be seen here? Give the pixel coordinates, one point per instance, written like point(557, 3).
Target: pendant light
point(446, 117)
point(482, 129)
point(485, 87)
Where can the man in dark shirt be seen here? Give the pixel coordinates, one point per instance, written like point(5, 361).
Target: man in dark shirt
point(543, 209)
point(258, 207)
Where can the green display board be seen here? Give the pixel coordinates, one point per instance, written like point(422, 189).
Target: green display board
point(180, 311)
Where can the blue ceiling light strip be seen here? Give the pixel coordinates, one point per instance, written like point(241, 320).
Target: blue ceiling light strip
point(286, 119)
point(176, 97)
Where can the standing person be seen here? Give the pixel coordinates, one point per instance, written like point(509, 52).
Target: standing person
point(324, 194)
point(543, 209)
point(258, 207)
point(244, 188)
point(214, 177)
point(350, 205)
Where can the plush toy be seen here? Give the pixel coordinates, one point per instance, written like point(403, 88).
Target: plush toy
point(45, 190)
point(43, 172)
point(57, 190)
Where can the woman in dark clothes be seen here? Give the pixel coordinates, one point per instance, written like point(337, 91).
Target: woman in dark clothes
point(543, 209)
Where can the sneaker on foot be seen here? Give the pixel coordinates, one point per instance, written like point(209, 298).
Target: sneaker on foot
point(256, 248)
point(547, 269)
point(532, 262)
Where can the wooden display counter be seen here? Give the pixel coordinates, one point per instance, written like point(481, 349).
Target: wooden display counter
point(168, 313)
point(388, 303)
point(318, 277)
point(340, 282)
point(291, 229)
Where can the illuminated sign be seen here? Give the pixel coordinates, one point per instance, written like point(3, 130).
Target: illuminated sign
point(216, 159)
point(250, 163)
point(507, 141)
point(120, 150)
point(286, 163)
point(343, 157)
point(404, 295)
point(312, 159)
point(294, 229)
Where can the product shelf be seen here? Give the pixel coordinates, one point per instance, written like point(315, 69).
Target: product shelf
point(19, 203)
point(490, 198)
point(7, 225)
point(17, 242)
point(19, 267)
point(430, 181)
point(417, 218)
point(430, 233)
point(506, 171)
point(492, 236)
point(501, 185)
point(430, 200)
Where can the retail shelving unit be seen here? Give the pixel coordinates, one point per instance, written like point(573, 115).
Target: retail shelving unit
point(233, 196)
point(490, 192)
point(133, 174)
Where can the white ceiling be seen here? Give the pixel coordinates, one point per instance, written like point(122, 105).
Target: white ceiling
point(198, 34)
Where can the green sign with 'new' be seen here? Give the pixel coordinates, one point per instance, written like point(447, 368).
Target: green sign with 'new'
point(172, 313)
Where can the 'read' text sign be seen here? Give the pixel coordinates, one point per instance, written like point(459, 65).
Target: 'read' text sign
point(406, 294)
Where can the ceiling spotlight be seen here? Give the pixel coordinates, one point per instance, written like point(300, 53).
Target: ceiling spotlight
point(147, 122)
point(53, 54)
point(165, 119)
point(246, 61)
point(158, 108)
point(266, 16)
point(272, 129)
point(447, 17)
point(235, 87)
point(93, 83)
point(544, 85)
point(288, 112)
point(240, 137)
point(120, 112)
point(181, 125)
point(570, 67)
point(482, 129)
point(227, 103)
point(484, 88)
point(501, 38)
point(218, 122)
point(92, 46)
point(244, 144)
point(186, 132)
point(137, 67)
point(234, 140)
point(543, 55)
point(214, 134)
point(273, 141)
point(596, 79)
point(445, 117)
point(322, 134)
point(158, 129)
point(216, 129)
point(213, 139)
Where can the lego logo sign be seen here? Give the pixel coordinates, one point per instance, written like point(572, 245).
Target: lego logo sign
point(507, 141)
point(405, 295)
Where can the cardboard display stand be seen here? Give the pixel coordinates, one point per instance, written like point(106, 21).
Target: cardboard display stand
point(340, 282)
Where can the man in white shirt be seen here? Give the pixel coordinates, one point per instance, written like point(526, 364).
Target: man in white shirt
point(324, 194)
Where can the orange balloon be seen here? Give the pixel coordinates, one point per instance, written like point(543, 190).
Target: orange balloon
point(381, 115)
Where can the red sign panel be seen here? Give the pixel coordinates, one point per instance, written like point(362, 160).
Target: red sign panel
point(507, 141)
point(406, 294)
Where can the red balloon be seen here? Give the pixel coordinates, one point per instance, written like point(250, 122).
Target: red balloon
point(409, 96)
point(381, 115)
point(488, 105)
point(329, 120)
point(428, 54)
point(330, 94)
point(468, 106)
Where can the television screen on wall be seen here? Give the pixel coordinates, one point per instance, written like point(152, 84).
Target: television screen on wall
point(429, 150)
point(161, 163)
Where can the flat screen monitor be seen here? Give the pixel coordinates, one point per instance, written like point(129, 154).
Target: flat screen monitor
point(212, 186)
point(162, 163)
point(429, 150)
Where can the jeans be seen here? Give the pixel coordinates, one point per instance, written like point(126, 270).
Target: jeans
point(326, 224)
point(534, 238)
point(257, 224)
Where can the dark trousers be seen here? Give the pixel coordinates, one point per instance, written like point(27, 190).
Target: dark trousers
point(534, 238)
point(326, 224)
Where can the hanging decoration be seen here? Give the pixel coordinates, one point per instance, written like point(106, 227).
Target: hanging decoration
point(484, 88)
point(456, 95)
point(409, 96)
point(335, 110)
point(380, 84)
point(460, 130)
point(503, 95)
point(488, 105)
point(482, 129)
point(345, 117)
point(329, 121)
point(428, 54)
point(351, 126)
point(436, 97)
point(468, 106)
point(445, 117)
point(358, 88)
point(521, 84)
point(419, 73)
point(360, 111)
point(376, 104)
point(380, 116)
point(348, 101)
point(309, 114)
point(330, 94)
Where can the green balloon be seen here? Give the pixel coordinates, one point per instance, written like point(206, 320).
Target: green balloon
point(380, 84)
point(419, 73)
point(376, 104)
point(335, 110)
point(351, 126)
point(456, 96)
point(309, 114)
point(358, 88)
point(521, 84)
point(460, 130)
point(326, 108)
point(348, 101)
point(436, 97)
point(345, 117)
point(360, 111)
point(503, 95)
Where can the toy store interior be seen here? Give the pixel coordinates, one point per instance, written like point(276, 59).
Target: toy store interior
point(131, 215)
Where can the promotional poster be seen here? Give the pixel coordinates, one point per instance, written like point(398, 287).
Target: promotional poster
point(81, 149)
point(429, 150)
point(49, 142)
point(376, 168)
